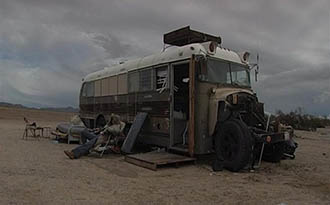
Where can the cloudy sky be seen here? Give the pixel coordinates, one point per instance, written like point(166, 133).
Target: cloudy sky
point(47, 46)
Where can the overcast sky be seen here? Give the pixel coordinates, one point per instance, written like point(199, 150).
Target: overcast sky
point(47, 46)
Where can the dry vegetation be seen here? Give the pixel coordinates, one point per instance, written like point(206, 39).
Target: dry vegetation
point(37, 172)
point(301, 121)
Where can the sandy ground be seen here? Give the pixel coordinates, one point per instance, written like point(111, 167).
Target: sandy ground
point(37, 172)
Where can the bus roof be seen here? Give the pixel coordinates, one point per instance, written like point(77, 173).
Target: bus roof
point(171, 54)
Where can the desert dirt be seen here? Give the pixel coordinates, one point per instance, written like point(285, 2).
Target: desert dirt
point(37, 172)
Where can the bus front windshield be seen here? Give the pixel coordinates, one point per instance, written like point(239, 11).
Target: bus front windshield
point(223, 72)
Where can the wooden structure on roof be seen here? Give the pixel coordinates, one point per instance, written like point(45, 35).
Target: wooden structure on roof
point(185, 35)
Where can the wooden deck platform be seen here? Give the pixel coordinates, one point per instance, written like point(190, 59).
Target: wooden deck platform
point(154, 160)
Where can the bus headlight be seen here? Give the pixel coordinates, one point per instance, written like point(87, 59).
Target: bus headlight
point(213, 90)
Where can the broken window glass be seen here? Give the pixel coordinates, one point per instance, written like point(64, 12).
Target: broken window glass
point(161, 79)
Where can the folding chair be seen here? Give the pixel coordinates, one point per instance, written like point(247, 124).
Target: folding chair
point(112, 144)
point(31, 129)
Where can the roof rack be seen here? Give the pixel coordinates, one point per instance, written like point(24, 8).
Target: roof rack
point(185, 35)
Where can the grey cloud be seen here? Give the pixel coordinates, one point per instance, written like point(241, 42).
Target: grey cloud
point(72, 38)
point(112, 45)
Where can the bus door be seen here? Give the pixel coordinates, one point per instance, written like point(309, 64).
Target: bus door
point(179, 88)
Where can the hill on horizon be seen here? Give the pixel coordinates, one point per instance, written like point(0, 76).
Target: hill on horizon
point(57, 109)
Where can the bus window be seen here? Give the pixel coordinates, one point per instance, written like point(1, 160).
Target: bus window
point(105, 87)
point(97, 88)
point(218, 71)
point(90, 89)
point(145, 80)
point(84, 90)
point(113, 84)
point(122, 84)
point(161, 78)
point(133, 82)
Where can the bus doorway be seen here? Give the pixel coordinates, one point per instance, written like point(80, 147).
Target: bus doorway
point(180, 107)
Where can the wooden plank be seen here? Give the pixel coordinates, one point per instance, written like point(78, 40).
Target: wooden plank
point(133, 132)
point(140, 163)
point(154, 160)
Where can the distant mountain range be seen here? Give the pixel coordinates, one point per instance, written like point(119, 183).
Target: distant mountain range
point(56, 109)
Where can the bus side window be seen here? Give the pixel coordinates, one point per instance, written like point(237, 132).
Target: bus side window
point(105, 87)
point(122, 84)
point(90, 89)
point(97, 88)
point(161, 78)
point(113, 85)
point(133, 82)
point(145, 80)
point(84, 90)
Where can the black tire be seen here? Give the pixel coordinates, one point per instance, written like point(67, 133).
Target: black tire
point(233, 143)
point(273, 152)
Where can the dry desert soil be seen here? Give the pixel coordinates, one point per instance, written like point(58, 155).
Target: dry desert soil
point(37, 172)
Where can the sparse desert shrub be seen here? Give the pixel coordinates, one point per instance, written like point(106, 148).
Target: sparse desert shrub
point(301, 121)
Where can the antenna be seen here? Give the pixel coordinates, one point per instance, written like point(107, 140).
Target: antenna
point(257, 70)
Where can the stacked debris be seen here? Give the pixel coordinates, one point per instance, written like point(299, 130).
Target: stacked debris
point(70, 131)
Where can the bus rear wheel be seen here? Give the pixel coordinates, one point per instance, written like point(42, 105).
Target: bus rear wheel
point(233, 144)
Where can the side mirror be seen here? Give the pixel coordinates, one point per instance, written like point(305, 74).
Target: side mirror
point(256, 71)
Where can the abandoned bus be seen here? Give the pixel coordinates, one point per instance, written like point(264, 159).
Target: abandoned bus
point(197, 95)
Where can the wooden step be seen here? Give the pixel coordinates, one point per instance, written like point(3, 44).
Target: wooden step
point(156, 159)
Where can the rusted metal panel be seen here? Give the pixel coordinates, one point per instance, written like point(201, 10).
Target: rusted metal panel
point(154, 160)
point(203, 140)
point(154, 103)
point(159, 139)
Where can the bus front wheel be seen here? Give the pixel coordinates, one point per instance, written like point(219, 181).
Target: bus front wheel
point(233, 144)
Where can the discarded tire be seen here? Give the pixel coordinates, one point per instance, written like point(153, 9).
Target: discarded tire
point(233, 143)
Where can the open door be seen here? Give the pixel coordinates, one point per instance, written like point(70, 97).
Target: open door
point(179, 106)
point(182, 107)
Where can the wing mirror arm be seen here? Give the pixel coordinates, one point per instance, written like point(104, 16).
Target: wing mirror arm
point(256, 71)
